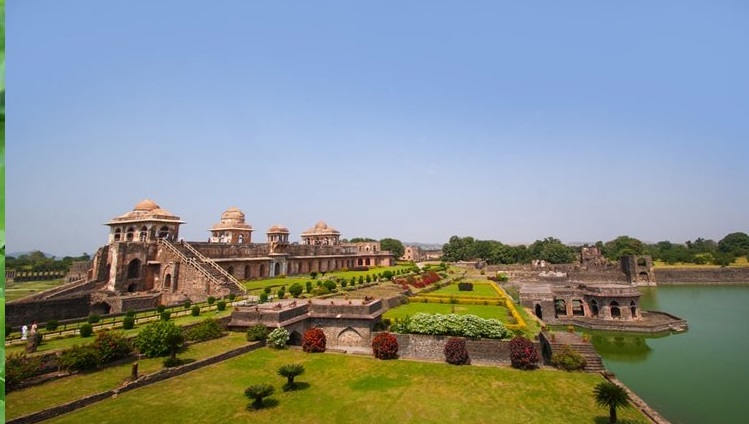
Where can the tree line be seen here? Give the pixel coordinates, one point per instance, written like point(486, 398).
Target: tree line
point(37, 261)
point(552, 250)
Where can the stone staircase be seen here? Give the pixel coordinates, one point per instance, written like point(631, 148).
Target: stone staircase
point(593, 361)
point(211, 270)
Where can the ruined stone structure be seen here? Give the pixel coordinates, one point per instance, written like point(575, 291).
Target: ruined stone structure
point(346, 323)
point(639, 269)
point(412, 253)
point(599, 306)
point(146, 263)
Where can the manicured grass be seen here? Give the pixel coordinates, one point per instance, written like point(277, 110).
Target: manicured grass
point(256, 286)
point(15, 291)
point(480, 289)
point(498, 312)
point(338, 388)
point(58, 392)
point(65, 342)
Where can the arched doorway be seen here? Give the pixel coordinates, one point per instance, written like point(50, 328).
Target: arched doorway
point(633, 309)
point(101, 308)
point(560, 307)
point(133, 269)
point(247, 272)
point(615, 311)
point(262, 271)
point(539, 314)
point(577, 308)
point(168, 281)
point(594, 307)
point(277, 269)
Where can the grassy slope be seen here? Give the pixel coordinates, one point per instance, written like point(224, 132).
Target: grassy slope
point(346, 388)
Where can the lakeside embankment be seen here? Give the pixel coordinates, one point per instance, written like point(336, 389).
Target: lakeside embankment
point(698, 275)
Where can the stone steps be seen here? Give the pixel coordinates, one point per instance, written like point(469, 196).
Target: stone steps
point(593, 361)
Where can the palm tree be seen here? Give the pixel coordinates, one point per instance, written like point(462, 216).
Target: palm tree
point(290, 371)
point(257, 393)
point(612, 395)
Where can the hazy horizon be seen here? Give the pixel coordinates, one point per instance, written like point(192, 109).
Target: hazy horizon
point(418, 121)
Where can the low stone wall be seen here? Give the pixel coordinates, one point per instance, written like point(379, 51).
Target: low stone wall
point(725, 275)
point(19, 313)
point(427, 347)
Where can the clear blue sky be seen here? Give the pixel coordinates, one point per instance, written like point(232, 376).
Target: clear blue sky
point(500, 120)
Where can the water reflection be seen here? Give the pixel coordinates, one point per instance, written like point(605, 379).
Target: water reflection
point(622, 348)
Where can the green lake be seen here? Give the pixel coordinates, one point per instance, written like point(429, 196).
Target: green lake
point(693, 377)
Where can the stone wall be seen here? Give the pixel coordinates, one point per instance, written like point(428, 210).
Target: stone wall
point(702, 275)
point(419, 346)
point(19, 313)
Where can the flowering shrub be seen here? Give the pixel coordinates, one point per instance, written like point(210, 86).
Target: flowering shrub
point(278, 338)
point(385, 346)
point(112, 346)
point(19, 367)
point(455, 325)
point(523, 354)
point(456, 352)
point(313, 340)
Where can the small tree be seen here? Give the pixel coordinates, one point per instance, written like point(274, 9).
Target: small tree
point(308, 286)
point(385, 346)
point(93, 319)
point(221, 305)
point(290, 371)
point(52, 325)
point(456, 352)
point(313, 274)
point(256, 393)
point(296, 289)
point(611, 395)
point(211, 300)
point(165, 315)
point(257, 333)
point(160, 308)
point(267, 290)
point(523, 354)
point(128, 323)
point(159, 338)
point(187, 304)
point(263, 297)
point(195, 311)
point(86, 330)
point(313, 340)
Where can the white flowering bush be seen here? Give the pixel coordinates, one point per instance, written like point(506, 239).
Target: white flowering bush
point(278, 338)
point(455, 325)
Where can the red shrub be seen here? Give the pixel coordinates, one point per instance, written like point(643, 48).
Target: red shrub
point(523, 354)
point(456, 352)
point(385, 346)
point(313, 340)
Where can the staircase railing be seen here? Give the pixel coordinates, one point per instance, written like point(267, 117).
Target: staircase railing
point(216, 266)
point(187, 260)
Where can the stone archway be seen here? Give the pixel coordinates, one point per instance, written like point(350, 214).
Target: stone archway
point(101, 308)
point(247, 272)
point(560, 307)
point(133, 269)
point(349, 337)
point(539, 312)
point(615, 311)
point(277, 269)
point(578, 310)
point(295, 338)
point(594, 307)
point(633, 309)
point(168, 281)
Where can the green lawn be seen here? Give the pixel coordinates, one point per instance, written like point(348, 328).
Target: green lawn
point(68, 341)
point(15, 291)
point(499, 312)
point(480, 289)
point(256, 286)
point(339, 388)
point(58, 392)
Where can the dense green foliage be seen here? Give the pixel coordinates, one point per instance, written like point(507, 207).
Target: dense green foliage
point(612, 396)
point(112, 345)
point(86, 330)
point(290, 371)
point(36, 261)
point(221, 305)
point(195, 311)
point(552, 250)
point(159, 338)
point(394, 246)
point(79, 358)
point(128, 323)
point(296, 289)
point(256, 393)
point(257, 333)
point(568, 359)
point(210, 328)
point(19, 367)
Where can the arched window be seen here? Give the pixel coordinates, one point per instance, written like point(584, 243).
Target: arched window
point(277, 270)
point(133, 269)
point(615, 311)
point(117, 234)
point(163, 232)
point(247, 272)
point(262, 271)
point(577, 308)
point(130, 234)
point(633, 309)
point(560, 307)
point(143, 233)
point(168, 281)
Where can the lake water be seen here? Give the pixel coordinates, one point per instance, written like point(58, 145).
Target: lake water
point(695, 377)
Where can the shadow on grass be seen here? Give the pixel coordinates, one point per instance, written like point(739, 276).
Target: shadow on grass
point(298, 385)
point(267, 404)
point(605, 420)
